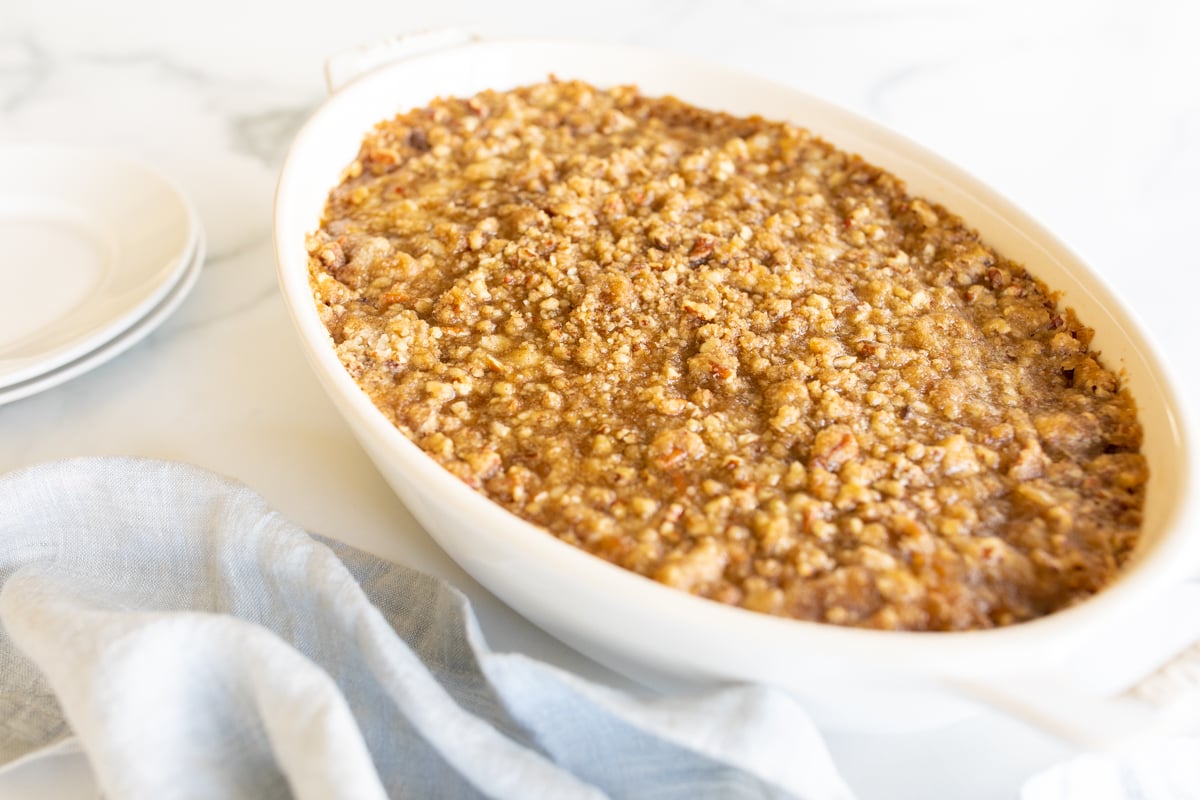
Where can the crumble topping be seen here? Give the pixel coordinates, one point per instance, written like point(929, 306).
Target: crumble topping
point(722, 353)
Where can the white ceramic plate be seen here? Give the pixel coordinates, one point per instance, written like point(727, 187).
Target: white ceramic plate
point(124, 339)
point(92, 243)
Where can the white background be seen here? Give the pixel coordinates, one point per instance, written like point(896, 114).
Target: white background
point(1087, 114)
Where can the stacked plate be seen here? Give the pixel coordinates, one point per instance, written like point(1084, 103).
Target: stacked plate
point(95, 252)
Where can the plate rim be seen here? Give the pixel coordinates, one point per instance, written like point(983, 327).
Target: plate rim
point(28, 368)
point(177, 291)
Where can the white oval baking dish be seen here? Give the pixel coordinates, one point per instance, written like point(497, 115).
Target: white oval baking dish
point(849, 678)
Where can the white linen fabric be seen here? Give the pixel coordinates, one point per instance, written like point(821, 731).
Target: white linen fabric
point(1169, 769)
point(200, 645)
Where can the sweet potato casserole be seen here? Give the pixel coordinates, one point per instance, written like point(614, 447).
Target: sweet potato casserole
point(721, 353)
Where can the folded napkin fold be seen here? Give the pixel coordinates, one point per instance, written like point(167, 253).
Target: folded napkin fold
point(198, 644)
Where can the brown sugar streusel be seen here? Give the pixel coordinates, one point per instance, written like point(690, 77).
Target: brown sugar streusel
point(721, 353)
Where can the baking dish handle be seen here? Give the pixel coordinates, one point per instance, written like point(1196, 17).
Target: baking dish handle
point(1160, 651)
point(344, 67)
point(1119, 723)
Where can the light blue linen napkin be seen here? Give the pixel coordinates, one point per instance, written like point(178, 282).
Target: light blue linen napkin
point(200, 645)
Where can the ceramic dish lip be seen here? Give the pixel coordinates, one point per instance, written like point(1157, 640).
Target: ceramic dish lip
point(153, 286)
point(1171, 558)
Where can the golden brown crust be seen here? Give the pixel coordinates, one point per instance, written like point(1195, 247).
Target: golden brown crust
point(723, 354)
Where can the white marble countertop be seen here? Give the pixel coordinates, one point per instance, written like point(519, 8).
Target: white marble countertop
point(1087, 114)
